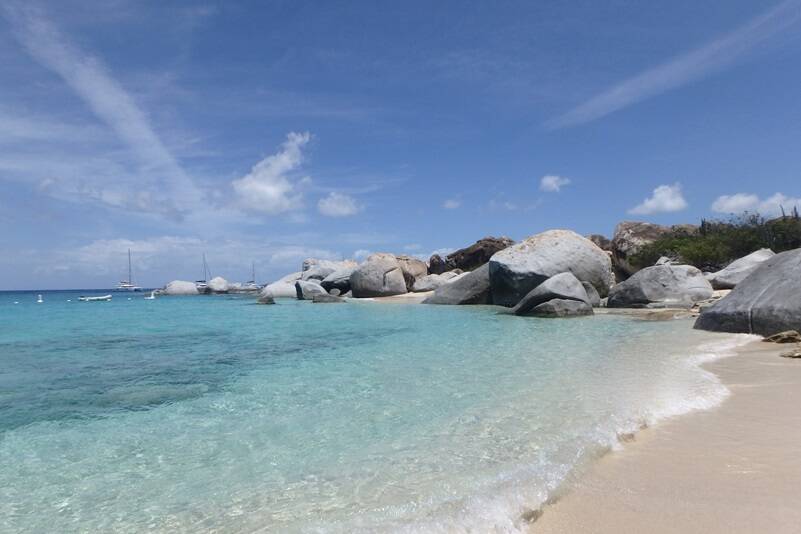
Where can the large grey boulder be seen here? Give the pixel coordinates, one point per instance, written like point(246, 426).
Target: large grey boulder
point(592, 294)
point(284, 287)
point(520, 268)
point(339, 279)
point(629, 238)
point(380, 276)
point(661, 286)
point(469, 258)
point(430, 282)
point(469, 288)
point(218, 284)
point(314, 269)
point(738, 270)
point(561, 308)
point(307, 289)
point(413, 269)
point(180, 287)
point(766, 302)
point(562, 286)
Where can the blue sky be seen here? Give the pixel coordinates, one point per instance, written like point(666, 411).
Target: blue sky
point(276, 131)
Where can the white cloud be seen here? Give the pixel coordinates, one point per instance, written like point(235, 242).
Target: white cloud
point(268, 188)
point(452, 204)
point(338, 205)
point(768, 207)
point(665, 198)
point(552, 183)
point(412, 246)
point(91, 81)
point(713, 56)
point(361, 254)
point(737, 203)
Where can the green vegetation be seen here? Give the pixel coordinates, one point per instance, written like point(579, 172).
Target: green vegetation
point(715, 244)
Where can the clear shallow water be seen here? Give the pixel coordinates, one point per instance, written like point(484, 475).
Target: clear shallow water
point(216, 414)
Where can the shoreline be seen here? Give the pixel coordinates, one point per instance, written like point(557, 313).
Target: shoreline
point(734, 467)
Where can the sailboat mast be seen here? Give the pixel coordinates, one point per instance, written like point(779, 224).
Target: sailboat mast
point(130, 277)
point(253, 271)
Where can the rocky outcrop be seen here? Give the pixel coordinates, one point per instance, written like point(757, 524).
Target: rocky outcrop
point(431, 282)
point(788, 336)
point(319, 269)
point(768, 301)
point(180, 287)
point(283, 288)
point(325, 298)
point(307, 289)
point(602, 242)
point(520, 268)
point(738, 270)
point(413, 269)
point(469, 288)
point(562, 286)
point(629, 239)
point(338, 280)
point(661, 286)
point(561, 308)
point(469, 258)
point(593, 297)
point(218, 284)
point(380, 276)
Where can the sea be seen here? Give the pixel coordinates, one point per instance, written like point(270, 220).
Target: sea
point(216, 414)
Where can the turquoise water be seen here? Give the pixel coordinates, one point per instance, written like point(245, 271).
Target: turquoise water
point(201, 414)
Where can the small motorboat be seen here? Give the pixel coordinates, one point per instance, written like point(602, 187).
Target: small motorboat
point(39, 299)
point(102, 298)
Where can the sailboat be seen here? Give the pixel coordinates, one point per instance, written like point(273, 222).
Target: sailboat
point(251, 284)
point(201, 285)
point(128, 285)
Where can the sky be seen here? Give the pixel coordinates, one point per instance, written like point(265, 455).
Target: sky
point(270, 132)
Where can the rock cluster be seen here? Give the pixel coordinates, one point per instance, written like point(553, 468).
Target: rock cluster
point(469, 258)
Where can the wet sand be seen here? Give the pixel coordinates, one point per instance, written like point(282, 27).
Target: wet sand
point(733, 469)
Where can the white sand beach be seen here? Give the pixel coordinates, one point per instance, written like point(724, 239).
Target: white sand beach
point(735, 468)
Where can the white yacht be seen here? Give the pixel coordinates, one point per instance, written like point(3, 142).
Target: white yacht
point(201, 285)
point(128, 285)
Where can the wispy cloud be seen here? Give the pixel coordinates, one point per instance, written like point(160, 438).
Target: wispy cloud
point(664, 199)
point(687, 67)
point(742, 202)
point(93, 83)
point(268, 187)
point(452, 204)
point(338, 205)
point(553, 184)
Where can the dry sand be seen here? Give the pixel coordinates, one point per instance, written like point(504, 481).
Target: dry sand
point(733, 469)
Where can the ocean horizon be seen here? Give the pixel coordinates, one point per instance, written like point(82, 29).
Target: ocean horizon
point(214, 413)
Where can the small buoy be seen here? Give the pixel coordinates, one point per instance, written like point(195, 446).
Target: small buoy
point(69, 300)
point(39, 300)
point(16, 302)
point(129, 298)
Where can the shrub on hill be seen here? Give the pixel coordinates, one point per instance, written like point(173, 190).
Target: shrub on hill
point(718, 243)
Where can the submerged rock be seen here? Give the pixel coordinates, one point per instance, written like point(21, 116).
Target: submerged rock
point(561, 308)
point(181, 287)
point(766, 302)
point(661, 286)
point(563, 286)
point(380, 276)
point(265, 298)
point(469, 288)
point(738, 270)
point(325, 298)
point(520, 268)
